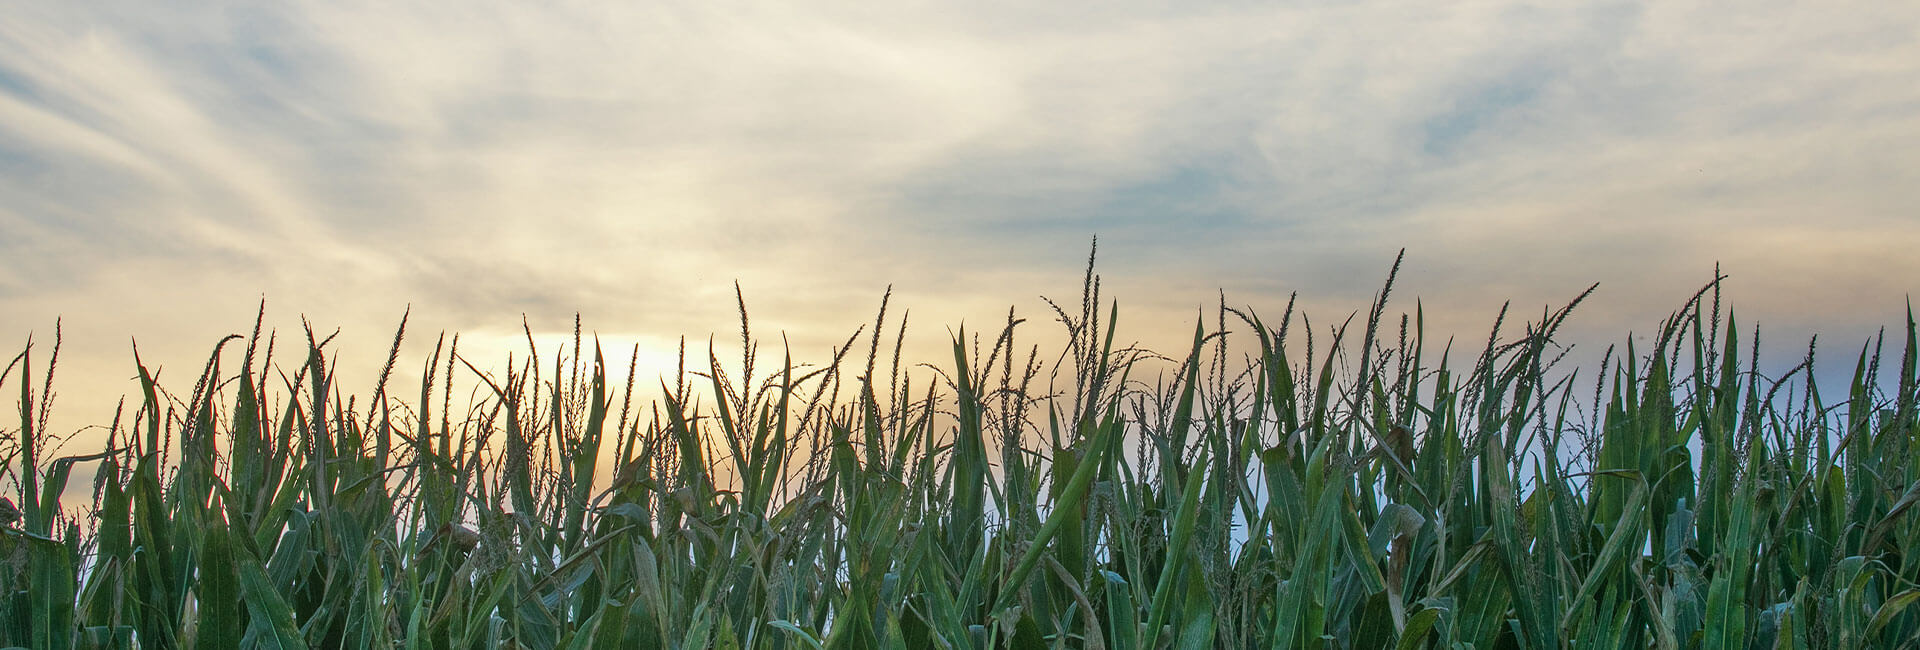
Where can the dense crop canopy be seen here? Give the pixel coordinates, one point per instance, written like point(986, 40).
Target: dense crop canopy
point(1350, 487)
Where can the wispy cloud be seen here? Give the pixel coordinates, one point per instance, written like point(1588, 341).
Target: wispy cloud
point(631, 160)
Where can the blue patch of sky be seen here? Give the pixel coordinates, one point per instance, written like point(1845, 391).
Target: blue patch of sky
point(248, 81)
point(261, 79)
point(986, 189)
point(1014, 196)
point(269, 59)
point(12, 83)
point(256, 67)
point(1187, 201)
point(17, 163)
point(65, 192)
point(1480, 110)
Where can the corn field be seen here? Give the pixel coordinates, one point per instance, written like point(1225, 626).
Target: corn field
point(1279, 484)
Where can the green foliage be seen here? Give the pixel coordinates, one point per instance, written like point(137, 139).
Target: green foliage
point(1360, 493)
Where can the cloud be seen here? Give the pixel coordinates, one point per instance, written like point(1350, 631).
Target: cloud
point(631, 160)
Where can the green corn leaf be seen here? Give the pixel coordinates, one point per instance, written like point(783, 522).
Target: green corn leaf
point(271, 620)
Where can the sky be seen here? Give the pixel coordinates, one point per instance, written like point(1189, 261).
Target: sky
point(163, 169)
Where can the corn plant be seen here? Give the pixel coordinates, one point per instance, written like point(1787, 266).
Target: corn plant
point(1277, 484)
